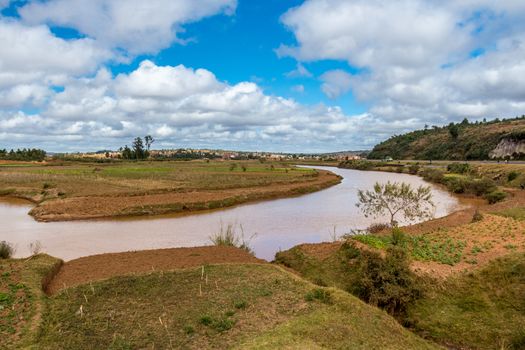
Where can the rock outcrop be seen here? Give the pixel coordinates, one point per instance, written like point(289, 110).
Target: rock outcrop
point(508, 148)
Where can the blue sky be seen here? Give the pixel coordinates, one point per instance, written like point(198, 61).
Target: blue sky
point(275, 75)
point(242, 48)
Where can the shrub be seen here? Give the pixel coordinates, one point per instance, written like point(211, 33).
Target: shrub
point(358, 164)
point(495, 196)
point(223, 324)
point(414, 169)
point(240, 304)
point(230, 238)
point(377, 227)
point(206, 320)
point(457, 184)
point(482, 186)
point(188, 329)
point(349, 250)
point(459, 168)
point(387, 283)
point(323, 295)
point(513, 175)
point(6, 250)
point(433, 175)
point(398, 237)
point(477, 216)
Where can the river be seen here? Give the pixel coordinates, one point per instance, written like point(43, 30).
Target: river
point(277, 224)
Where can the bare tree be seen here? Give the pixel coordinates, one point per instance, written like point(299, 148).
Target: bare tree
point(397, 199)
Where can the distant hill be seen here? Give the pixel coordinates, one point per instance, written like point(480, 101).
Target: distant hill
point(496, 139)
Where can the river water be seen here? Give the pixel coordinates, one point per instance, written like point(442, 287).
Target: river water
point(277, 224)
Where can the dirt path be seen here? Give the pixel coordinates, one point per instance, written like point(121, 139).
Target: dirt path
point(92, 207)
point(100, 267)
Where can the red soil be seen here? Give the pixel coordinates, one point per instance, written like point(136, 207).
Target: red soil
point(100, 267)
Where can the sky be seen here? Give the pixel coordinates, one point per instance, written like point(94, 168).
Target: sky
point(273, 75)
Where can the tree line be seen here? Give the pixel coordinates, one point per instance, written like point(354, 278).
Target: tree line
point(140, 149)
point(27, 154)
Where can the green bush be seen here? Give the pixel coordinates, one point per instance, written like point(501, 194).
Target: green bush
point(398, 237)
point(433, 175)
point(206, 320)
point(513, 175)
point(459, 168)
point(480, 187)
point(323, 295)
point(6, 250)
point(359, 164)
point(495, 196)
point(457, 184)
point(349, 250)
point(414, 169)
point(387, 283)
point(223, 324)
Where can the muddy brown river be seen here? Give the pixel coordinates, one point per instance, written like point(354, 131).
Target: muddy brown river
point(276, 224)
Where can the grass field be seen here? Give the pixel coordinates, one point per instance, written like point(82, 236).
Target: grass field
point(478, 302)
point(482, 310)
point(22, 299)
point(245, 306)
point(65, 191)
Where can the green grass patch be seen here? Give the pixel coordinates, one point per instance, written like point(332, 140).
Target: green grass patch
point(517, 213)
point(481, 310)
point(444, 251)
point(21, 299)
point(378, 242)
point(240, 306)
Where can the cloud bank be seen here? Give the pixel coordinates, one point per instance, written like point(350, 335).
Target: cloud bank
point(435, 61)
point(414, 62)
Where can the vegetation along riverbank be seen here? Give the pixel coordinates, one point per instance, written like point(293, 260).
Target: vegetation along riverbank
point(442, 278)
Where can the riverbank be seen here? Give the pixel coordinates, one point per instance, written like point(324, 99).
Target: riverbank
point(498, 231)
point(273, 225)
point(467, 269)
point(65, 192)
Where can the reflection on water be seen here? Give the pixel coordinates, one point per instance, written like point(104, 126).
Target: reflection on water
point(279, 224)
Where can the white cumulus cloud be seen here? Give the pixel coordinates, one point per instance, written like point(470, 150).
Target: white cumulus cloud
point(415, 55)
point(336, 83)
point(136, 26)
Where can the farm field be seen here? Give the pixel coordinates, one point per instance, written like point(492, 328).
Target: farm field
point(70, 191)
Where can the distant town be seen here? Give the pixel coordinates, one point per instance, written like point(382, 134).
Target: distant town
point(189, 154)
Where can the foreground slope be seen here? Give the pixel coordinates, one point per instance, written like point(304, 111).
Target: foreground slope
point(217, 306)
point(213, 306)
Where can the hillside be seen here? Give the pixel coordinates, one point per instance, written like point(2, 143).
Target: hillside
point(237, 305)
point(463, 141)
